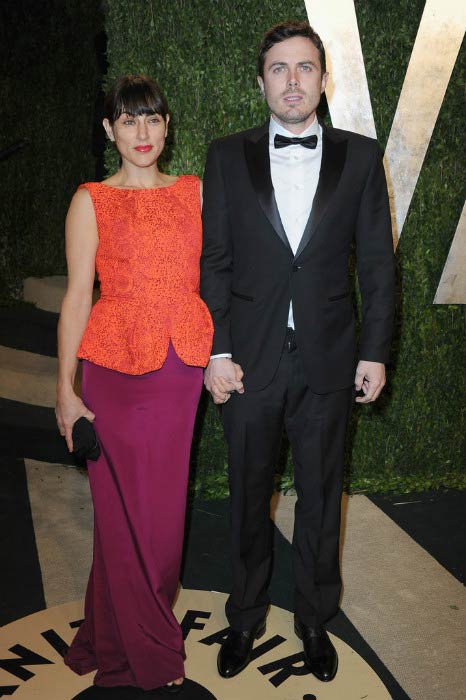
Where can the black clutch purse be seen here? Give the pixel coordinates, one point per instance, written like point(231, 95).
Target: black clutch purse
point(85, 443)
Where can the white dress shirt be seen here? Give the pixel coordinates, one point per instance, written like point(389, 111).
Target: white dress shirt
point(295, 174)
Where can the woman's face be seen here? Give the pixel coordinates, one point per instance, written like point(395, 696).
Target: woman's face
point(140, 140)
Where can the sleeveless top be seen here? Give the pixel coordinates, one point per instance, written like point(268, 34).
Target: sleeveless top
point(147, 262)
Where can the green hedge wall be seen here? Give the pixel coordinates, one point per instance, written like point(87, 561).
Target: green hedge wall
point(416, 437)
point(203, 53)
point(48, 85)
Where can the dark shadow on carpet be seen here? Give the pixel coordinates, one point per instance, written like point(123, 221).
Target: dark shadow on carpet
point(24, 327)
point(436, 520)
point(31, 431)
point(21, 590)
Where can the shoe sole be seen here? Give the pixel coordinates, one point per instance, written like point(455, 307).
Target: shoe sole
point(167, 690)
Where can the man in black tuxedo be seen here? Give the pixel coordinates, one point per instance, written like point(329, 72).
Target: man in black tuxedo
point(283, 206)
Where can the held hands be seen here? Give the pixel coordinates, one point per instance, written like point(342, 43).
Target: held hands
point(370, 377)
point(68, 409)
point(222, 377)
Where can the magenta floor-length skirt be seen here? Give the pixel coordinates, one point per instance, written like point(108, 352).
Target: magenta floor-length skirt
point(144, 425)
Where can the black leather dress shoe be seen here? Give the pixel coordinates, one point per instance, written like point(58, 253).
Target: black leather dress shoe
point(235, 653)
point(319, 653)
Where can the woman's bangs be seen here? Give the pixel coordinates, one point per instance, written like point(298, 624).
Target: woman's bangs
point(135, 100)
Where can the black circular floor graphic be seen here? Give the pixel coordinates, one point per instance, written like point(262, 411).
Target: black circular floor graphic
point(191, 691)
point(31, 663)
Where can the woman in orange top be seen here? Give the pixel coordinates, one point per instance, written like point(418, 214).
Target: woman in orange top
point(143, 345)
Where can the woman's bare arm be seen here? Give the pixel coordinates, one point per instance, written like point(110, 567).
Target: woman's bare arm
point(81, 246)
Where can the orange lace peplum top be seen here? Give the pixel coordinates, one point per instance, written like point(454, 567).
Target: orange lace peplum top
point(147, 262)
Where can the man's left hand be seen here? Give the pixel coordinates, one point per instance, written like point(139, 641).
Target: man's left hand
point(370, 377)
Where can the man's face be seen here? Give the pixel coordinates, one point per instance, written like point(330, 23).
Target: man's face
point(293, 82)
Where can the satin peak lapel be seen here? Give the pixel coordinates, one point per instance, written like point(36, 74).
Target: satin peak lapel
point(258, 162)
point(333, 161)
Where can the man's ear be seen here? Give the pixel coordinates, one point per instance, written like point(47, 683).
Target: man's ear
point(323, 83)
point(261, 85)
point(108, 129)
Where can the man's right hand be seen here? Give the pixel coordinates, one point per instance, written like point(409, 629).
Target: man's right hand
point(222, 377)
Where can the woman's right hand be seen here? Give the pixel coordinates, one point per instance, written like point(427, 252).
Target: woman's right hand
point(68, 409)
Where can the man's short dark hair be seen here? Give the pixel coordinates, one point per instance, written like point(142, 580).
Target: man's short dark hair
point(288, 30)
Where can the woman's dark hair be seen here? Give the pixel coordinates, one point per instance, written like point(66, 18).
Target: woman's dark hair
point(288, 30)
point(134, 95)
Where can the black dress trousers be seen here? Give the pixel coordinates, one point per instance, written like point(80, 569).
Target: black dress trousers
point(316, 427)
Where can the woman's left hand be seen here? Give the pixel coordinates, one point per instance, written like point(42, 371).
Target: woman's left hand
point(68, 409)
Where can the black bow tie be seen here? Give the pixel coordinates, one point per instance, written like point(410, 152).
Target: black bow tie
point(281, 141)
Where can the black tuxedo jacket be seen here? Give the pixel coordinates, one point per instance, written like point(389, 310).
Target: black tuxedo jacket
point(249, 273)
